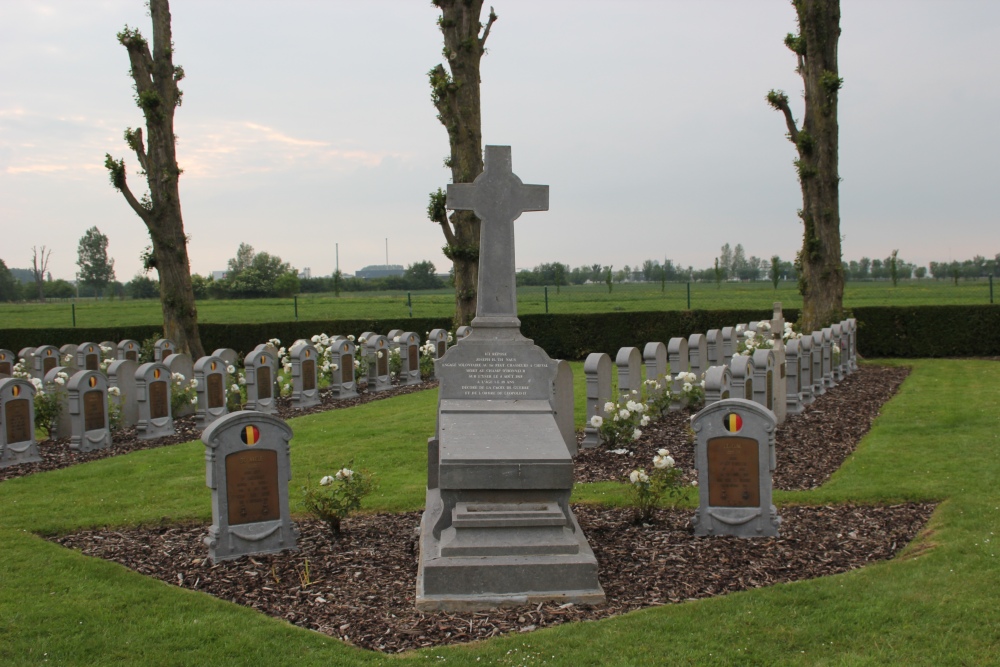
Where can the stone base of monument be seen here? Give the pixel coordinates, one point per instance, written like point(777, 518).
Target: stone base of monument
point(504, 554)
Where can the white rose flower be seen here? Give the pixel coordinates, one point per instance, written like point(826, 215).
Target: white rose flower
point(644, 421)
point(663, 462)
point(836, 349)
point(242, 380)
point(631, 406)
point(694, 482)
point(687, 387)
point(395, 339)
point(748, 334)
point(68, 358)
point(763, 325)
point(315, 339)
point(194, 400)
point(350, 338)
point(235, 388)
point(194, 383)
point(609, 407)
point(326, 481)
point(345, 473)
point(114, 391)
point(380, 354)
point(59, 380)
point(624, 413)
point(638, 477)
point(230, 369)
point(636, 434)
point(633, 476)
point(334, 367)
point(596, 421)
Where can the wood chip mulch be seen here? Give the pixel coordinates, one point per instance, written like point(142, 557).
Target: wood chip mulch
point(57, 454)
point(361, 587)
point(809, 446)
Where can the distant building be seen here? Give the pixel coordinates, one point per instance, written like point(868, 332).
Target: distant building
point(380, 271)
point(219, 275)
point(306, 273)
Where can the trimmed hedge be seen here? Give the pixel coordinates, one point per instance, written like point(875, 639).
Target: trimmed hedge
point(883, 331)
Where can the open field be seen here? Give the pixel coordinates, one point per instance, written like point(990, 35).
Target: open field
point(440, 303)
point(932, 605)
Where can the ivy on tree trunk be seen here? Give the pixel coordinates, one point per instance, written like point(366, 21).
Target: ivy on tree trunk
point(455, 93)
point(821, 273)
point(157, 94)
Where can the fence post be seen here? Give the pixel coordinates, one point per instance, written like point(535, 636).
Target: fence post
point(547, 299)
point(409, 303)
point(296, 298)
point(991, 288)
point(689, 296)
point(73, 305)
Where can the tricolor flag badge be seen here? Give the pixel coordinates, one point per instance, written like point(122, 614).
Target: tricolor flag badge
point(16, 391)
point(250, 435)
point(92, 381)
point(213, 365)
point(156, 373)
point(733, 422)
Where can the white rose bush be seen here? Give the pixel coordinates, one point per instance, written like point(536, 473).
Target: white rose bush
point(647, 490)
point(337, 495)
point(620, 424)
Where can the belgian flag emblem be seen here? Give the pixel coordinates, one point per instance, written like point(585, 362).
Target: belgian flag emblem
point(250, 435)
point(733, 422)
point(16, 391)
point(92, 381)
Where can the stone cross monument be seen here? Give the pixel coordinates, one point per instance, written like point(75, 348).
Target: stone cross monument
point(498, 529)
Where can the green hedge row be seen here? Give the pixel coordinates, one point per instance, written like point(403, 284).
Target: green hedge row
point(883, 331)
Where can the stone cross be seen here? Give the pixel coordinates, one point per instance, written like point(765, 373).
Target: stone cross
point(497, 197)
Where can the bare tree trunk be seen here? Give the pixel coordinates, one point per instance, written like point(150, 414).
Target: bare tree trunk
point(821, 273)
point(39, 265)
point(157, 95)
point(456, 96)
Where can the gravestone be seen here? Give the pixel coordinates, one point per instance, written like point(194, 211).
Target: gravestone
point(88, 357)
point(752, 326)
point(108, 350)
point(597, 372)
point(152, 395)
point(25, 355)
point(793, 397)
point(853, 328)
point(629, 364)
point(828, 380)
point(213, 383)
point(713, 346)
point(561, 399)
point(248, 467)
point(780, 383)
point(742, 383)
point(261, 370)
point(462, 332)
point(409, 356)
point(121, 374)
point(377, 358)
point(439, 339)
point(87, 400)
point(43, 359)
point(305, 378)
point(718, 383)
point(163, 348)
point(7, 363)
point(498, 529)
point(129, 349)
point(677, 354)
point(806, 370)
point(819, 388)
point(394, 338)
point(17, 422)
point(734, 455)
point(55, 382)
point(342, 375)
point(182, 364)
point(839, 365)
point(229, 356)
point(655, 357)
point(763, 378)
point(697, 354)
point(67, 357)
point(729, 341)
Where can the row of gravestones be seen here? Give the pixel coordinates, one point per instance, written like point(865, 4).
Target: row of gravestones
point(797, 371)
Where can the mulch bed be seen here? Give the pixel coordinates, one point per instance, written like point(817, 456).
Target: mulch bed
point(361, 588)
point(809, 446)
point(56, 453)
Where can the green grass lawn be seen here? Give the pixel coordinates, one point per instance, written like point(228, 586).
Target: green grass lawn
point(935, 604)
point(441, 303)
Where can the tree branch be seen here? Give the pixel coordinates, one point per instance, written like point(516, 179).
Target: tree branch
point(779, 101)
point(486, 31)
point(449, 235)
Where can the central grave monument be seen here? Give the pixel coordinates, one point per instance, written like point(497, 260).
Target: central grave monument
point(498, 529)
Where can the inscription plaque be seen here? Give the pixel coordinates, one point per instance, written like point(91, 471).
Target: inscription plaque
point(441, 349)
point(382, 364)
point(158, 405)
point(770, 384)
point(132, 355)
point(48, 363)
point(346, 368)
point(733, 472)
point(216, 393)
point(252, 486)
point(308, 375)
point(6, 368)
point(414, 357)
point(748, 389)
point(93, 410)
point(264, 382)
point(497, 374)
point(92, 362)
point(18, 418)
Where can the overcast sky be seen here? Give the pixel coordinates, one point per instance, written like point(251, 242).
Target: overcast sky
point(306, 124)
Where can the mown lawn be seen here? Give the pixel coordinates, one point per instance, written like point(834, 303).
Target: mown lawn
point(935, 604)
point(632, 297)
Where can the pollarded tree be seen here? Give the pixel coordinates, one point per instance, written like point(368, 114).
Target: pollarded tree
point(821, 274)
point(455, 93)
point(96, 268)
point(157, 94)
point(39, 265)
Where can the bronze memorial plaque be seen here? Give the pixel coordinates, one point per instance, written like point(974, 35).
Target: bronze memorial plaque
point(18, 418)
point(48, 363)
point(733, 472)
point(264, 382)
point(441, 349)
point(252, 486)
point(346, 368)
point(92, 362)
point(308, 375)
point(770, 385)
point(6, 368)
point(748, 389)
point(159, 406)
point(93, 410)
point(414, 356)
point(382, 364)
point(132, 355)
point(216, 393)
